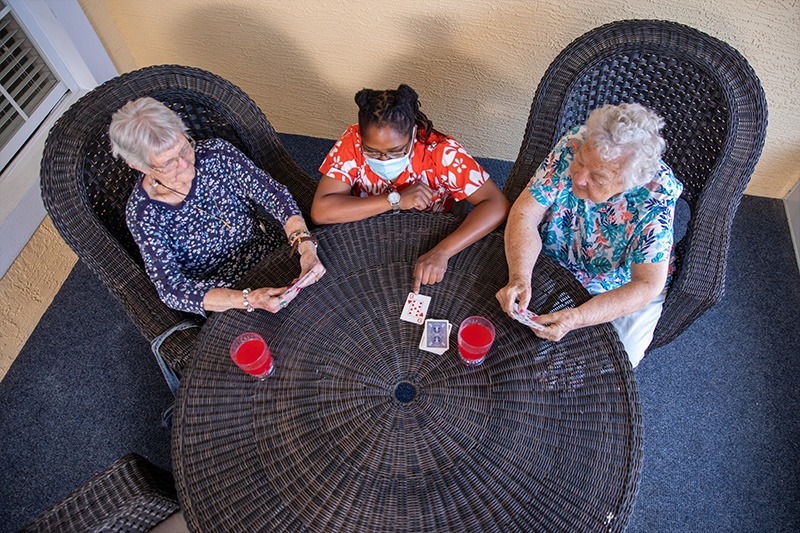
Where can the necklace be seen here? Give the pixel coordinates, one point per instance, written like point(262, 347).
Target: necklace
point(218, 216)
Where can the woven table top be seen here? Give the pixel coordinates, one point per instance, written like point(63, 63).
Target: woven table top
point(359, 430)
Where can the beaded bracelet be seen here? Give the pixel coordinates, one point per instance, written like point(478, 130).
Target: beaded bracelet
point(247, 305)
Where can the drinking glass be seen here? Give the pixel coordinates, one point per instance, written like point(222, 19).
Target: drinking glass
point(475, 337)
point(251, 353)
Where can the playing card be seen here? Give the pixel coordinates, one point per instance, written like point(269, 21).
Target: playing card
point(416, 308)
point(524, 316)
point(436, 333)
point(294, 289)
point(439, 351)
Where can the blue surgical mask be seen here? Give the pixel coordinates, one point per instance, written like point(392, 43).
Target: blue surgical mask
point(389, 169)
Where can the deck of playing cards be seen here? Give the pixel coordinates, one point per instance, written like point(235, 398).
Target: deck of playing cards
point(294, 289)
point(436, 336)
point(524, 316)
point(416, 308)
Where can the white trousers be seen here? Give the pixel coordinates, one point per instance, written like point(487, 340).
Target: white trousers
point(636, 329)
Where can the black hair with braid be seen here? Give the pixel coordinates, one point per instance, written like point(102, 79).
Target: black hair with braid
point(397, 108)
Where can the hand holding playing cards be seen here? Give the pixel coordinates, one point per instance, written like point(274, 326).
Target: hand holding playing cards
point(517, 291)
point(312, 271)
point(311, 268)
point(430, 268)
point(267, 298)
point(557, 324)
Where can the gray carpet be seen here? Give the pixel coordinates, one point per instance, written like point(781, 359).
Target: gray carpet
point(719, 404)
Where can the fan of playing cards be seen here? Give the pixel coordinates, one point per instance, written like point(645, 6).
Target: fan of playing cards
point(294, 289)
point(524, 316)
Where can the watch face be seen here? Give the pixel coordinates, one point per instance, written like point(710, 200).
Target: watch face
point(394, 197)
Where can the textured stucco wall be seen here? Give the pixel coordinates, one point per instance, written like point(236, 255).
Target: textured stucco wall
point(28, 287)
point(476, 64)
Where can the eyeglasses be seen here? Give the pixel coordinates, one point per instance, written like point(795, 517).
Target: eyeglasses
point(375, 154)
point(185, 153)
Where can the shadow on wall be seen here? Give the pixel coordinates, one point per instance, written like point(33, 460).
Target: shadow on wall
point(462, 94)
point(265, 61)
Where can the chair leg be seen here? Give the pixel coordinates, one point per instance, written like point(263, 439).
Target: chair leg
point(169, 375)
point(173, 382)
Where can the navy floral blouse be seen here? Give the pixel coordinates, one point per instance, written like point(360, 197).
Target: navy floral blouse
point(187, 249)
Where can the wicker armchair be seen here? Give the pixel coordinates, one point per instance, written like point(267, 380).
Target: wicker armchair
point(716, 119)
point(131, 495)
point(85, 188)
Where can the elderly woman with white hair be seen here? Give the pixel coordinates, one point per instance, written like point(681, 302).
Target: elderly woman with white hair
point(602, 204)
point(193, 214)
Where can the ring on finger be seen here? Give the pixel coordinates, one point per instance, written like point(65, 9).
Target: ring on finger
point(282, 303)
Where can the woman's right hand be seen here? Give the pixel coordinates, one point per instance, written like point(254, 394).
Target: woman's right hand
point(267, 298)
point(418, 196)
point(515, 291)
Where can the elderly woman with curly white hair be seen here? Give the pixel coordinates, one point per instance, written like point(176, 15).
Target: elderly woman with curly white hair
point(602, 204)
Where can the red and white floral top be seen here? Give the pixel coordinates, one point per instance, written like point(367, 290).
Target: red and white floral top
point(443, 165)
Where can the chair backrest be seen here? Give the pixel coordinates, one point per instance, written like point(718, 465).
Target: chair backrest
point(715, 117)
point(85, 189)
point(130, 495)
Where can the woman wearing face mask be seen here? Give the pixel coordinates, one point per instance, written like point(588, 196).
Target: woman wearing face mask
point(394, 160)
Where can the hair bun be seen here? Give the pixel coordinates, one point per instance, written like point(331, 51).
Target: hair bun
point(407, 94)
point(364, 96)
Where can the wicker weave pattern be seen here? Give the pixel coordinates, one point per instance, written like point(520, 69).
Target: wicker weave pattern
point(544, 436)
point(716, 118)
point(85, 189)
point(131, 495)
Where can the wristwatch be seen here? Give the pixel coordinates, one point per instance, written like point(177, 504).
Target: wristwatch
point(394, 199)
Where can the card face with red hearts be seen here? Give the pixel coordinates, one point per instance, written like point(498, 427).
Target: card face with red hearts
point(294, 289)
point(416, 308)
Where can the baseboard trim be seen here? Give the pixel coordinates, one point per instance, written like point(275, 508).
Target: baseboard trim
point(792, 205)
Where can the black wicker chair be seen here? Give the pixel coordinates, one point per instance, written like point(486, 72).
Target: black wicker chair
point(716, 119)
point(131, 495)
point(85, 188)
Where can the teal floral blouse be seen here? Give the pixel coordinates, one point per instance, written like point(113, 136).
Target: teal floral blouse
point(598, 243)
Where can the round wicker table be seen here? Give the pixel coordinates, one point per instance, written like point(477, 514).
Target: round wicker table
point(359, 430)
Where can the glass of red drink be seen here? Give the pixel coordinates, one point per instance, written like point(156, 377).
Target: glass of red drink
point(251, 354)
point(475, 337)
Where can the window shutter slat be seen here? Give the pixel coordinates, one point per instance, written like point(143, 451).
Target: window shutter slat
point(26, 82)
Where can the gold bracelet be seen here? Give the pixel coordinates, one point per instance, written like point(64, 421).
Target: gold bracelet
point(302, 239)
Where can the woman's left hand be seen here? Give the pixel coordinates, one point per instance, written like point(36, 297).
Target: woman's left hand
point(310, 264)
point(430, 268)
point(557, 324)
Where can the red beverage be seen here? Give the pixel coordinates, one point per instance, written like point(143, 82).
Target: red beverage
point(475, 337)
point(251, 354)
